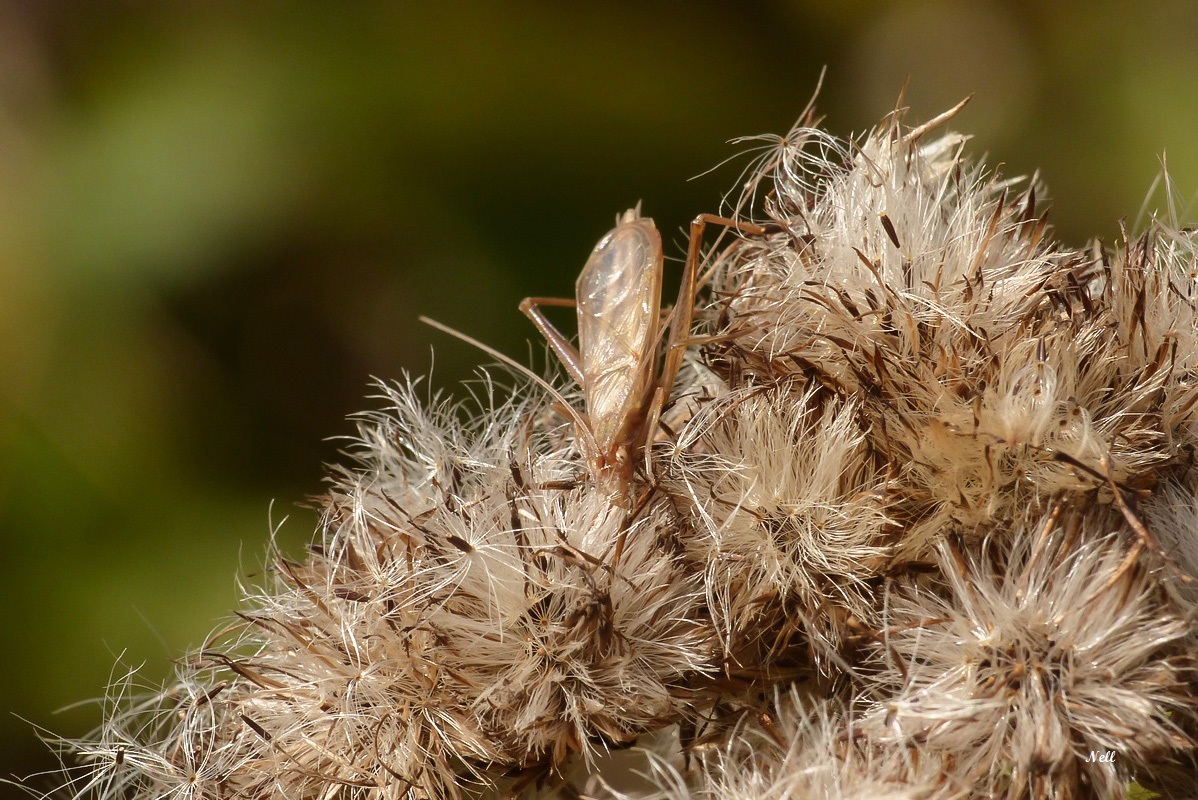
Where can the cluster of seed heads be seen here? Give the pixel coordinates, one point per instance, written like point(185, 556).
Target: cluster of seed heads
point(914, 516)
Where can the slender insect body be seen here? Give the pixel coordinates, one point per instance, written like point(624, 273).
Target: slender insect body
point(618, 302)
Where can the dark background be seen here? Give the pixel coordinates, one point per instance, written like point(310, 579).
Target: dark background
point(219, 219)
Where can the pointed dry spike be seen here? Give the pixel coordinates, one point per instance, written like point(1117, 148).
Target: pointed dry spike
point(1046, 530)
point(898, 103)
point(1029, 205)
point(1137, 525)
point(976, 267)
point(937, 121)
point(1130, 516)
point(961, 567)
point(1128, 562)
point(256, 728)
point(890, 123)
point(890, 231)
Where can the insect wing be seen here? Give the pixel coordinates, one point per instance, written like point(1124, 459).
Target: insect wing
point(619, 301)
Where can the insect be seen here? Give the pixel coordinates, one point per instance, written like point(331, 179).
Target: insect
point(618, 302)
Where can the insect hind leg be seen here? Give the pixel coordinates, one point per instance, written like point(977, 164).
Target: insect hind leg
point(680, 320)
point(683, 313)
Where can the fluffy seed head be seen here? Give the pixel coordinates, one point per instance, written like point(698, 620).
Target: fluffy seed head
point(917, 522)
point(1030, 660)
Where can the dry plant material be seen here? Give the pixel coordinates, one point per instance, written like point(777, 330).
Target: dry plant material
point(909, 512)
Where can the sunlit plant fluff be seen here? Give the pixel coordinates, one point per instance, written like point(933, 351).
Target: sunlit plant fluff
point(1056, 648)
point(917, 522)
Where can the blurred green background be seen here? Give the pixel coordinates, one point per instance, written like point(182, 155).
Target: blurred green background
point(219, 219)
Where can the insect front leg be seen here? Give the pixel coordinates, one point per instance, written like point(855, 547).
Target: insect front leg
point(566, 352)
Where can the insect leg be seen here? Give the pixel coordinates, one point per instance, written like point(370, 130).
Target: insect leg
point(680, 317)
point(566, 352)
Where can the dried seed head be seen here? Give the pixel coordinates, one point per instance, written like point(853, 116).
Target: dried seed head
point(785, 509)
point(1026, 661)
point(802, 747)
point(922, 463)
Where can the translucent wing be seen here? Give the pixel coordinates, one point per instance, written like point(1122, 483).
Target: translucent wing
point(619, 302)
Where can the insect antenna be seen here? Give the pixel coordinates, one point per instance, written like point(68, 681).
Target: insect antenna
point(580, 423)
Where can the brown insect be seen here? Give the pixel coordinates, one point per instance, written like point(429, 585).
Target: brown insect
point(618, 299)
